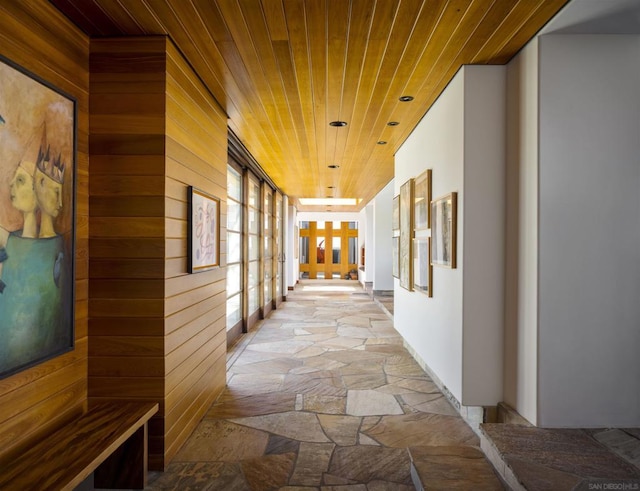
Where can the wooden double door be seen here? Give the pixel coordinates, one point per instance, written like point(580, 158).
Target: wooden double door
point(328, 249)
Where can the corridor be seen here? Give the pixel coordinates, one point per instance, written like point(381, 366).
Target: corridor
point(323, 396)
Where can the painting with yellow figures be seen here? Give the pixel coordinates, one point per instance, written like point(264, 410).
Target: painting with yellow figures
point(37, 205)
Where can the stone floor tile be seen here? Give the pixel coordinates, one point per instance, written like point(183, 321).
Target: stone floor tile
point(355, 463)
point(273, 402)
point(276, 366)
point(536, 477)
point(389, 486)
point(365, 440)
point(255, 383)
point(423, 384)
point(221, 440)
point(418, 429)
point(341, 342)
point(268, 472)
point(294, 424)
point(364, 381)
point(313, 461)
point(200, 476)
point(279, 444)
point(289, 346)
point(342, 430)
point(355, 321)
point(331, 480)
point(324, 404)
point(622, 443)
point(362, 333)
point(454, 467)
point(345, 487)
point(571, 451)
point(370, 403)
point(429, 403)
point(311, 351)
point(324, 382)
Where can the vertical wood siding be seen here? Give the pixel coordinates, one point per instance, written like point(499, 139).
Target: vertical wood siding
point(35, 401)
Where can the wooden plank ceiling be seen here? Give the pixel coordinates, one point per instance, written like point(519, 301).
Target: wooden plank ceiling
point(284, 69)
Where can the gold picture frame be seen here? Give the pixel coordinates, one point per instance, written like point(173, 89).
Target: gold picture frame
point(444, 227)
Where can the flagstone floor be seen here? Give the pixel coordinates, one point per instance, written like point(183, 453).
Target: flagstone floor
point(323, 396)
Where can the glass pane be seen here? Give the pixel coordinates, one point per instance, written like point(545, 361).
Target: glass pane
point(267, 289)
point(353, 246)
point(268, 198)
point(268, 247)
point(304, 225)
point(234, 184)
point(254, 279)
point(336, 225)
point(320, 225)
point(253, 300)
point(254, 248)
point(234, 212)
point(353, 225)
point(233, 247)
point(234, 311)
point(254, 225)
point(234, 279)
point(254, 194)
point(320, 250)
point(336, 250)
point(304, 250)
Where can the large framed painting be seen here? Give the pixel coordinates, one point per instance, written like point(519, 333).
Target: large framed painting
point(204, 231)
point(422, 201)
point(444, 227)
point(406, 235)
point(37, 217)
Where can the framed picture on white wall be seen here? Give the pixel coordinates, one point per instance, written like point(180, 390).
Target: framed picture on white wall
point(444, 211)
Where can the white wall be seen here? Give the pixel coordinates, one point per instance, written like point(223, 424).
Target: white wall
point(367, 236)
point(589, 232)
point(458, 333)
point(521, 254)
point(292, 262)
point(382, 215)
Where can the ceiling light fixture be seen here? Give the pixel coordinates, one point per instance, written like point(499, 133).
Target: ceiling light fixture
point(393, 123)
point(338, 123)
point(333, 166)
point(382, 142)
point(406, 98)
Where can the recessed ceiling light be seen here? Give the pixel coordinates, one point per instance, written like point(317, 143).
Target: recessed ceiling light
point(382, 142)
point(333, 166)
point(338, 123)
point(406, 98)
point(393, 123)
point(331, 187)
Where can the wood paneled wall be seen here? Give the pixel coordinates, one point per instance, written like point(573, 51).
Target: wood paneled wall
point(195, 305)
point(35, 401)
point(157, 333)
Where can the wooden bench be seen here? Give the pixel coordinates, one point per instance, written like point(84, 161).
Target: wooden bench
point(110, 439)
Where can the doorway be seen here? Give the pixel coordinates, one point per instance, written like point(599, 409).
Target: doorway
point(328, 250)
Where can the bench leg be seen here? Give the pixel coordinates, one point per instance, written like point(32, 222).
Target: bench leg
point(126, 468)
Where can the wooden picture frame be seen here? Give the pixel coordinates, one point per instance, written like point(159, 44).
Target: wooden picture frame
point(38, 127)
point(204, 231)
point(395, 257)
point(422, 201)
point(395, 217)
point(422, 268)
point(406, 235)
point(444, 211)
